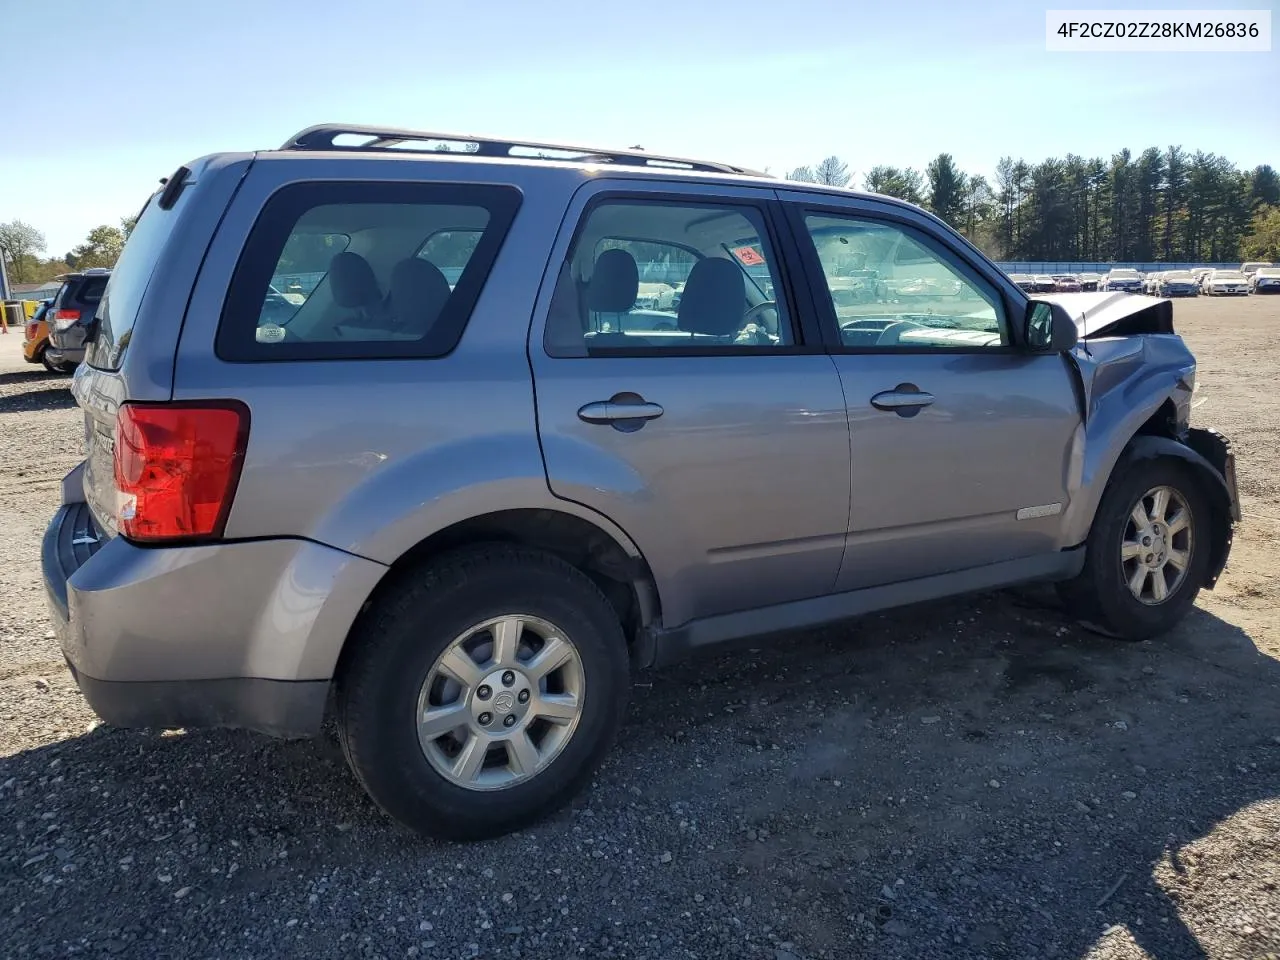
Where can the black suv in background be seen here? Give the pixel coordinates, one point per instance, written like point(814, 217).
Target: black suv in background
point(72, 313)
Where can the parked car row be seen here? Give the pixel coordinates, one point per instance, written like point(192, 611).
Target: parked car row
point(55, 334)
point(1253, 277)
point(1057, 283)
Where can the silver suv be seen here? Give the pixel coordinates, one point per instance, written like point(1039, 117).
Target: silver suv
point(380, 423)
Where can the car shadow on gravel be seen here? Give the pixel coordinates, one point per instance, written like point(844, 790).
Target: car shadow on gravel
point(973, 778)
point(54, 397)
point(32, 376)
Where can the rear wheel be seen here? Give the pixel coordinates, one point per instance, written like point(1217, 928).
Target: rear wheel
point(1147, 554)
point(480, 695)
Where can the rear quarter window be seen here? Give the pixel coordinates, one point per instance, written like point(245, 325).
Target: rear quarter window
point(121, 296)
point(341, 270)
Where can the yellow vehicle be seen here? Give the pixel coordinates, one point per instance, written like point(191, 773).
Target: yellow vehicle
point(35, 340)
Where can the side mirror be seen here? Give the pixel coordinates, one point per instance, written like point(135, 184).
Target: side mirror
point(1048, 328)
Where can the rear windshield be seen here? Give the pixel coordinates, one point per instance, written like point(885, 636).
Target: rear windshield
point(122, 295)
point(88, 290)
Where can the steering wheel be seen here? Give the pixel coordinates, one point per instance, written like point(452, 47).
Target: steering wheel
point(761, 307)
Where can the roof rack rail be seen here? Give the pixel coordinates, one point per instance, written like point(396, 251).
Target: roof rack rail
point(324, 137)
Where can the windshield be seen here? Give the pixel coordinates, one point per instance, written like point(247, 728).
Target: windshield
point(1178, 275)
point(1269, 272)
point(1125, 274)
point(1228, 276)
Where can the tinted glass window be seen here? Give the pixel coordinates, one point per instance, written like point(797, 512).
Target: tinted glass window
point(363, 270)
point(122, 294)
point(451, 251)
point(669, 276)
point(891, 289)
point(90, 289)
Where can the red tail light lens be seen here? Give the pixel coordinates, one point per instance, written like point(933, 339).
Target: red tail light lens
point(177, 466)
point(32, 327)
point(67, 315)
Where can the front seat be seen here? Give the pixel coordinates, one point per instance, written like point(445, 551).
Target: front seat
point(714, 299)
point(417, 296)
point(612, 290)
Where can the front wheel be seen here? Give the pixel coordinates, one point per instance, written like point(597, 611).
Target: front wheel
point(1147, 554)
point(483, 692)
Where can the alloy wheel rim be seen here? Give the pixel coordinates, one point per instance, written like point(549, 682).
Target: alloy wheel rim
point(501, 702)
point(1155, 548)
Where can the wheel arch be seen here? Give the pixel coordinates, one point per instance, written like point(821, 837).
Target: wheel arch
point(1213, 483)
point(608, 556)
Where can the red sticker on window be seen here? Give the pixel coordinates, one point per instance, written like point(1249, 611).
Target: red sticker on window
point(748, 256)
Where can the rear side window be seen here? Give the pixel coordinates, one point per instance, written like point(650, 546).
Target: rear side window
point(363, 270)
point(669, 276)
point(121, 296)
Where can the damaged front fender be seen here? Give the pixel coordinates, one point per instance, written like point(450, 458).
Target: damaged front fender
point(1136, 378)
point(1128, 354)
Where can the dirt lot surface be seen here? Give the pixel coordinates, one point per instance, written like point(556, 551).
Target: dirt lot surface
point(975, 778)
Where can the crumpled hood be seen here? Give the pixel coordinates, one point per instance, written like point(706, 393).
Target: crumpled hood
point(1114, 314)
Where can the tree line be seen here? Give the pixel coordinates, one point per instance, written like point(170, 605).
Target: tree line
point(1164, 205)
point(22, 246)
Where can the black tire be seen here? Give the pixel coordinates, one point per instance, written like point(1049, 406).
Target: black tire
point(1100, 595)
point(400, 638)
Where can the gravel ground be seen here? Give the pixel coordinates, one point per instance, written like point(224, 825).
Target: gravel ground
point(974, 778)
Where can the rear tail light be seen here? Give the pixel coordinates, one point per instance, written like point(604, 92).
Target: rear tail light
point(177, 466)
point(32, 327)
point(64, 319)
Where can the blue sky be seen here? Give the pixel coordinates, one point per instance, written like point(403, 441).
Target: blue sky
point(762, 84)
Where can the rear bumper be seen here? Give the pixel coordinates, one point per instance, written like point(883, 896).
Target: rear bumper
point(58, 354)
point(279, 708)
point(243, 634)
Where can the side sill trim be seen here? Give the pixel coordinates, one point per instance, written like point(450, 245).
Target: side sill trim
point(663, 647)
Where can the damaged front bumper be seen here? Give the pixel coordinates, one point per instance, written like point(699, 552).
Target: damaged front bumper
point(1209, 454)
point(1216, 448)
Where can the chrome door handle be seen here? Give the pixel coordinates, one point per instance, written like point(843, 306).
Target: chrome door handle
point(612, 411)
point(905, 400)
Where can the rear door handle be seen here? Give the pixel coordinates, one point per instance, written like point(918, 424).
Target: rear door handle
point(613, 411)
point(906, 400)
